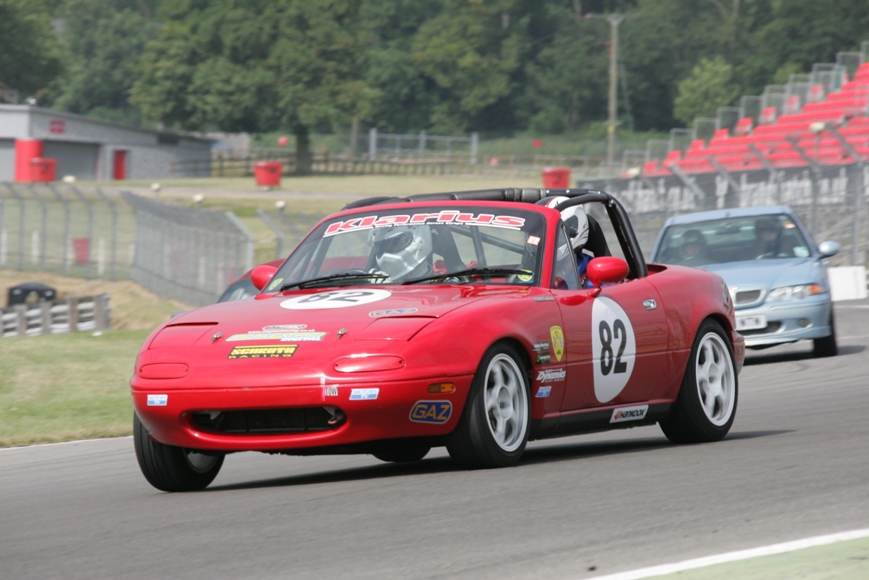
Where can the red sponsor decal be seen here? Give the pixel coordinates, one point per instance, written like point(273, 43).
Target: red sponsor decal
point(442, 217)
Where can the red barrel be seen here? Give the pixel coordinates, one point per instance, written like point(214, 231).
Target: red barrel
point(26, 150)
point(43, 169)
point(556, 177)
point(268, 173)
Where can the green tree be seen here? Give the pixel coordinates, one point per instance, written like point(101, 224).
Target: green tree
point(708, 87)
point(260, 65)
point(568, 80)
point(405, 98)
point(103, 42)
point(29, 51)
point(471, 52)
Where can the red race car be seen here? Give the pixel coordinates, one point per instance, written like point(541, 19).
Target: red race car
point(467, 320)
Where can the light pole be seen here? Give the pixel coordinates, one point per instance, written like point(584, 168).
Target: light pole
point(614, 20)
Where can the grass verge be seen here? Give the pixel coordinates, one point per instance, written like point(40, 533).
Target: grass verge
point(67, 387)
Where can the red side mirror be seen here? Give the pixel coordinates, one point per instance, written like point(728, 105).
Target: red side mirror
point(606, 270)
point(261, 275)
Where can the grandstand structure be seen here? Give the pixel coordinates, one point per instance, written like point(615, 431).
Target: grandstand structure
point(804, 144)
point(822, 117)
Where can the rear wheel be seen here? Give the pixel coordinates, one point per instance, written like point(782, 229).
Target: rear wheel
point(493, 429)
point(706, 405)
point(170, 468)
point(827, 346)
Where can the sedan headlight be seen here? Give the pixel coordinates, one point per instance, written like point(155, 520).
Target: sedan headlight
point(794, 292)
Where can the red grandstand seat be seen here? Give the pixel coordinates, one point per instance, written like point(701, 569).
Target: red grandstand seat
point(782, 158)
point(862, 72)
point(792, 105)
point(816, 94)
point(695, 165)
point(743, 126)
point(767, 116)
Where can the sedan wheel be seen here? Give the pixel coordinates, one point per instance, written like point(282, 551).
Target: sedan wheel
point(827, 346)
point(170, 468)
point(493, 430)
point(706, 405)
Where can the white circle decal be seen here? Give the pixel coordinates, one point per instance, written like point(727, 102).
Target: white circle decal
point(335, 299)
point(614, 348)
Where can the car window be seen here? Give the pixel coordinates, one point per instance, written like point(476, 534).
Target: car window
point(564, 275)
point(733, 239)
point(419, 242)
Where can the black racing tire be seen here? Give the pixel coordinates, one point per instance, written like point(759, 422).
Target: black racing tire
point(706, 406)
point(826, 346)
point(494, 426)
point(170, 468)
point(403, 453)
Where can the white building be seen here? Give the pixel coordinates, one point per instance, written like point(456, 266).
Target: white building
point(91, 149)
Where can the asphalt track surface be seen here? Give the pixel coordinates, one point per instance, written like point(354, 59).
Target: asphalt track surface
point(793, 467)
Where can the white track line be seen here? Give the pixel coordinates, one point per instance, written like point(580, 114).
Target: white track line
point(735, 556)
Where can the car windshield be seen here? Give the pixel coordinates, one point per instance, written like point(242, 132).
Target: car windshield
point(419, 244)
point(732, 239)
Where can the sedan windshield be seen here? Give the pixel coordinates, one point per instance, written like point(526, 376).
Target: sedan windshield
point(735, 239)
point(419, 245)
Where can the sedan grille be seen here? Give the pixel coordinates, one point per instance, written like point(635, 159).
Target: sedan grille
point(269, 421)
point(745, 297)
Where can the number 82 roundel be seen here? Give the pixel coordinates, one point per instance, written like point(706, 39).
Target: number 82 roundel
point(614, 348)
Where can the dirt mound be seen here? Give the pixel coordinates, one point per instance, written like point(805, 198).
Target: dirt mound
point(132, 307)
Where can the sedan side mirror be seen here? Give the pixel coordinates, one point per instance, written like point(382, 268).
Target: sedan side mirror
point(829, 249)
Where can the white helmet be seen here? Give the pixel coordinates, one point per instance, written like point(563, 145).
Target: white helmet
point(399, 250)
point(579, 240)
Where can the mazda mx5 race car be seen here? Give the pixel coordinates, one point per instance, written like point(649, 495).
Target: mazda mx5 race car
point(457, 320)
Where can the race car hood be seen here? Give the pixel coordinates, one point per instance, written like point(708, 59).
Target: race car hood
point(316, 329)
point(768, 273)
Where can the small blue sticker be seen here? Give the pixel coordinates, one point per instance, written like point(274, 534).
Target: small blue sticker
point(158, 400)
point(364, 394)
point(543, 392)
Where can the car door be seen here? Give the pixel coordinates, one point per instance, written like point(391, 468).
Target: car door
point(615, 344)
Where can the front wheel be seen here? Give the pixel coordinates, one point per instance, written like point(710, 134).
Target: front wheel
point(493, 429)
point(827, 346)
point(706, 405)
point(170, 468)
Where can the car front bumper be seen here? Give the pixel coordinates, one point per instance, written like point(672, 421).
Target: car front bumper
point(261, 416)
point(788, 321)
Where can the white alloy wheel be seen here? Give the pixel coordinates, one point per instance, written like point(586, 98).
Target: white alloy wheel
point(506, 403)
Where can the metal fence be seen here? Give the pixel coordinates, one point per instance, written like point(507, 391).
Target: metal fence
point(65, 230)
point(188, 254)
point(830, 200)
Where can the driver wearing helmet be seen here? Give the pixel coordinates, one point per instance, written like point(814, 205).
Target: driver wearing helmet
point(402, 252)
point(576, 222)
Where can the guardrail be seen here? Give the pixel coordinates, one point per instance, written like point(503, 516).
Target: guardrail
point(74, 314)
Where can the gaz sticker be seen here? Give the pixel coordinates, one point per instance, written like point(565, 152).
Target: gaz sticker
point(614, 346)
point(335, 299)
point(431, 412)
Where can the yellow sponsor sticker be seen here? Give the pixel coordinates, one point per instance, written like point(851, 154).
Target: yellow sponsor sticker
point(557, 336)
point(263, 351)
